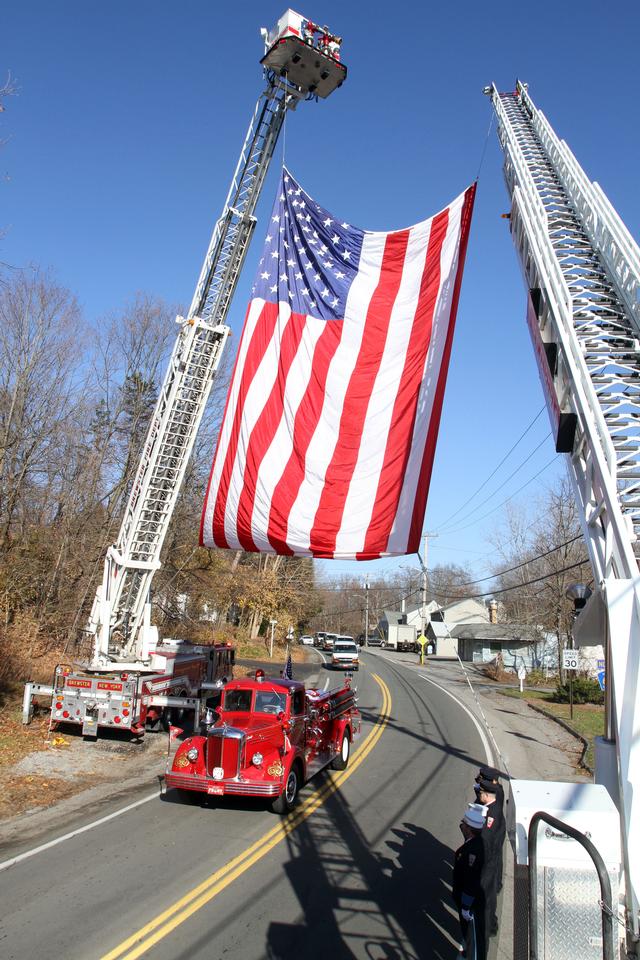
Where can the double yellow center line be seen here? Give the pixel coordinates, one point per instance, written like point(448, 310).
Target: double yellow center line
point(167, 921)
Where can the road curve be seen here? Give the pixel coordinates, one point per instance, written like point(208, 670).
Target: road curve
point(362, 871)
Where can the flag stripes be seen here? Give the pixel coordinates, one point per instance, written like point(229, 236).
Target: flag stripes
point(329, 432)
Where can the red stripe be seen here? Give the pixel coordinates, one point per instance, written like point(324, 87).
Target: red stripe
point(266, 426)
point(403, 418)
point(224, 415)
point(304, 426)
point(424, 480)
point(328, 518)
point(260, 340)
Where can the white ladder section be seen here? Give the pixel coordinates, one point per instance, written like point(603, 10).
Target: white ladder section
point(579, 258)
point(119, 620)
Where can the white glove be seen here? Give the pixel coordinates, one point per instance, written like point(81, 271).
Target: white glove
point(467, 915)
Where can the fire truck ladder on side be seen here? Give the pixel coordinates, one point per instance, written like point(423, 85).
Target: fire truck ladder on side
point(119, 624)
point(582, 269)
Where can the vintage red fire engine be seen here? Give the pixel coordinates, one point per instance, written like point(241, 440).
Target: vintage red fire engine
point(270, 736)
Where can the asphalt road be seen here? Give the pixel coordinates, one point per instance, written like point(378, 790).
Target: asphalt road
point(362, 871)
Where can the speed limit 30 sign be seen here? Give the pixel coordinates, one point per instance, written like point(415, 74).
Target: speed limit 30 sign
point(570, 659)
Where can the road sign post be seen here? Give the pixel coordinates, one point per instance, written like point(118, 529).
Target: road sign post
point(570, 662)
point(522, 675)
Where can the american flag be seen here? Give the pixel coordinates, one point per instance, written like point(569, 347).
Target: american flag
point(329, 432)
point(287, 673)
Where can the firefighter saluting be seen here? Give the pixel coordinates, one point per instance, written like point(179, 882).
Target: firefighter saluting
point(469, 882)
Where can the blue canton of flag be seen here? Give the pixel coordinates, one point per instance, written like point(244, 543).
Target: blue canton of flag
point(309, 259)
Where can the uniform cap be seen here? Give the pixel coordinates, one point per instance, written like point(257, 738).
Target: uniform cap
point(475, 816)
point(488, 786)
point(488, 773)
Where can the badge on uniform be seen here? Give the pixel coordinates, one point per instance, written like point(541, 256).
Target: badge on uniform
point(490, 821)
point(472, 859)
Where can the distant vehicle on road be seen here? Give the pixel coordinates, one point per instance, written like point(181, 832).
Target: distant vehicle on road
point(373, 640)
point(318, 639)
point(344, 655)
point(306, 640)
point(329, 640)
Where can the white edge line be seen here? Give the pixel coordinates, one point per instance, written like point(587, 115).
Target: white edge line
point(485, 743)
point(74, 833)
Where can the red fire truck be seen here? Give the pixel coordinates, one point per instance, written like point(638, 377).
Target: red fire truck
point(128, 700)
point(269, 737)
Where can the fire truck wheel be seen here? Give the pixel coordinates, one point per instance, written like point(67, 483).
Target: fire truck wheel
point(341, 761)
point(287, 799)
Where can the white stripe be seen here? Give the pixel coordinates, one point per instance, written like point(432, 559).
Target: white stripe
point(363, 487)
point(253, 314)
point(325, 437)
point(448, 265)
point(74, 833)
point(277, 456)
point(255, 399)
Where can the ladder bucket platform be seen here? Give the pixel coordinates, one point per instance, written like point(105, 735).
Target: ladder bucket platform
point(305, 66)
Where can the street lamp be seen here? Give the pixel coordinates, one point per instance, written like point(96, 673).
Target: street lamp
point(273, 624)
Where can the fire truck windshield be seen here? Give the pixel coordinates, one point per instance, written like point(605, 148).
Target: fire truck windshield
point(238, 701)
point(270, 702)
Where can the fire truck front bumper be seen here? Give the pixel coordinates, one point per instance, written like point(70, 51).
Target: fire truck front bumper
point(220, 788)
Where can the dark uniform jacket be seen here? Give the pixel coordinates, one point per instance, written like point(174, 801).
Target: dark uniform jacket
point(468, 869)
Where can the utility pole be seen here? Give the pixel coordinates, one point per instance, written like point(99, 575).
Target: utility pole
point(425, 577)
point(366, 611)
point(273, 624)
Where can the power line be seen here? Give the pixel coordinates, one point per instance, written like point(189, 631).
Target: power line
point(524, 563)
point(525, 583)
point(506, 500)
point(491, 475)
point(505, 482)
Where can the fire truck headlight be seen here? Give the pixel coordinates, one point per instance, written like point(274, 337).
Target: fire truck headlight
point(192, 755)
point(256, 759)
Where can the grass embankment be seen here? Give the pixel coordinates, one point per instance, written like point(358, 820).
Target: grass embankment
point(588, 718)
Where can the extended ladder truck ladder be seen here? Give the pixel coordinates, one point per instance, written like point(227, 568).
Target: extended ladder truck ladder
point(582, 269)
point(120, 624)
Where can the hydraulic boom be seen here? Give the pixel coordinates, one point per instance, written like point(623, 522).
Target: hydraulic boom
point(582, 270)
point(120, 625)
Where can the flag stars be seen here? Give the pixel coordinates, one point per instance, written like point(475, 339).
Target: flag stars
point(335, 239)
point(334, 302)
point(340, 275)
point(322, 250)
point(265, 275)
point(283, 278)
point(328, 263)
point(327, 222)
point(298, 276)
point(346, 254)
point(274, 288)
point(325, 293)
point(276, 218)
point(345, 226)
point(274, 254)
point(305, 291)
point(291, 263)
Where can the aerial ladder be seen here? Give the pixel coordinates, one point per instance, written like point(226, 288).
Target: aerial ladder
point(301, 62)
point(582, 271)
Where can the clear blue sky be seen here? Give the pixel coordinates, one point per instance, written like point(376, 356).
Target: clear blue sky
point(130, 117)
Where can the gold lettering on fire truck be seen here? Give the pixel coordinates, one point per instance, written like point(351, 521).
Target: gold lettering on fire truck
point(276, 769)
point(181, 761)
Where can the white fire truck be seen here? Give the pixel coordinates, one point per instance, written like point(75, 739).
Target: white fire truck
point(582, 272)
point(132, 675)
